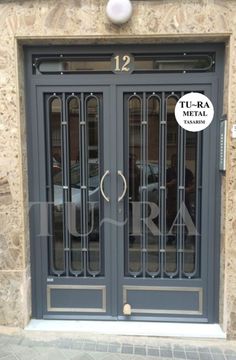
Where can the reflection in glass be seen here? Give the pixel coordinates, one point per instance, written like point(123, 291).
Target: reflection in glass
point(54, 66)
point(143, 63)
point(175, 252)
point(135, 166)
point(55, 125)
point(171, 186)
point(190, 201)
point(75, 191)
point(152, 179)
point(94, 246)
point(175, 63)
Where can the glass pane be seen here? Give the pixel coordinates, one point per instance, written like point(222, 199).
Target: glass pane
point(74, 65)
point(174, 63)
point(135, 166)
point(171, 186)
point(75, 190)
point(150, 62)
point(190, 200)
point(153, 179)
point(94, 245)
point(55, 125)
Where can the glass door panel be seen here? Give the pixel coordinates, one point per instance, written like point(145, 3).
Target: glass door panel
point(162, 164)
point(73, 145)
point(162, 208)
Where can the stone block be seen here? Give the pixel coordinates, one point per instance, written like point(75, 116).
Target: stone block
point(13, 298)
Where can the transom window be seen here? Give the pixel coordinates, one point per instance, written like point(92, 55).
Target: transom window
point(125, 63)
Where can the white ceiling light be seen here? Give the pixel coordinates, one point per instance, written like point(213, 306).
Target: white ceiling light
point(119, 11)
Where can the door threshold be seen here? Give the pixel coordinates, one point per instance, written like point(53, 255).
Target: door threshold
point(136, 328)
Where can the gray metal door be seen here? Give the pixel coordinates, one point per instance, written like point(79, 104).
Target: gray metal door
point(73, 204)
point(125, 203)
point(164, 244)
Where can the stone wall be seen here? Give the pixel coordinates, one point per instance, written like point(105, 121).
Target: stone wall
point(79, 21)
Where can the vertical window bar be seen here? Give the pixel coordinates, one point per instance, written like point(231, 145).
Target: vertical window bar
point(83, 177)
point(100, 205)
point(144, 166)
point(127, 208)
point(181, 195)
point(65, 181)
point(85, 181)
point(96, 256)
point(50, 186)
point(73, 211)
point(69, 188)
point(50, 195)
point(134, 243)
point(162, 179)
point(172, 152)
point(197, 210)
point(154, 157)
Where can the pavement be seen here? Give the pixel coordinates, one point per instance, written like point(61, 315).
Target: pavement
point(16, 344)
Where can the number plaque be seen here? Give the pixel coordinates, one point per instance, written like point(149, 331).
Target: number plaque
point(122, 63)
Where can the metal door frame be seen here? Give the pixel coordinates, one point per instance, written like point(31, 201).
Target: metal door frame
point(35, 157)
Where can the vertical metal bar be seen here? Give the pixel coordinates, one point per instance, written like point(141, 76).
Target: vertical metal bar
point(183, 193)
point(198, 205)
point(149, 98)
point(70, 98)
point(132, 273)
point(179, 190)
point(180, 196)
point(144, 184)
point(198, 189)
point(50, 182)
point(49, 185)
point(65, 183)
point(83, 184)
point(100, 119)
point(198, 193)
point(127, 174)
point(162, 179)
point(50, 195)
point(63, 173)
point(91, 96)
point(69, 182)
point(179, 193)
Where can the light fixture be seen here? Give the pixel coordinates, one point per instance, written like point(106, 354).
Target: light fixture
point(119, 11)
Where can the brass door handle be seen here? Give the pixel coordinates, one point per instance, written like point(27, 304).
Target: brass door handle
point(125, 185)
point(107, 172)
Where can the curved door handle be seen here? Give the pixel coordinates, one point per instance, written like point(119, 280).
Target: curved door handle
point(125, 185)
point(101, 185)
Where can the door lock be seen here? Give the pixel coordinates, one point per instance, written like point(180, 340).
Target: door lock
point(127, 309)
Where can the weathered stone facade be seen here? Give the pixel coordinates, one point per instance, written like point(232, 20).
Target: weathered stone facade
point(84, 21)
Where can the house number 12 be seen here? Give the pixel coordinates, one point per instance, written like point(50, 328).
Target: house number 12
point(122, 63)
point(126, 61)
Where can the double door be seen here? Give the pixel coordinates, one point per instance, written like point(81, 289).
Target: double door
point(129, 214)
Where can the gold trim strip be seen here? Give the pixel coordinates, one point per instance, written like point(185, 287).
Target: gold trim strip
point(77, 287)
point(199, 290)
